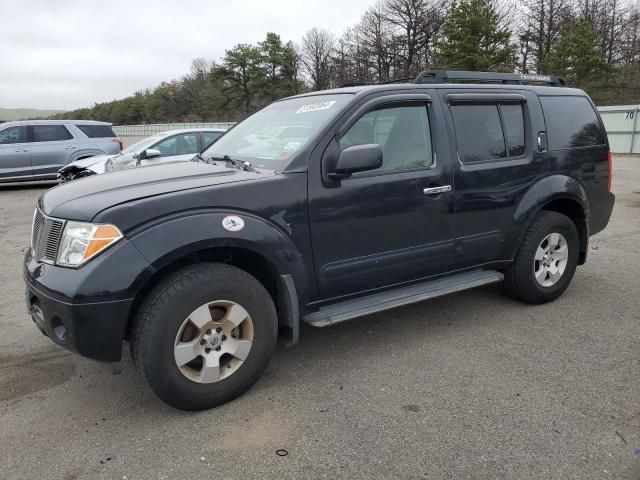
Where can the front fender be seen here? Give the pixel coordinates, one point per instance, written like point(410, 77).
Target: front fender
point(543, 192)
point(89, 152)
point(168, 239)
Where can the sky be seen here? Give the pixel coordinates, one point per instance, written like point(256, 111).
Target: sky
point(69, 54)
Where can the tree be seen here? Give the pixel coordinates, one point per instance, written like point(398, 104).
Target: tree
point(578, 57)
point(315, 51)
point(476, 37)
point(242, 75)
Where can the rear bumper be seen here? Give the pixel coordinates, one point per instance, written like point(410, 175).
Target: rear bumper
point(600, 214)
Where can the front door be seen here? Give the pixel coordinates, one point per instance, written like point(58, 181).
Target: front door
point(388, 225)
point(15, 154)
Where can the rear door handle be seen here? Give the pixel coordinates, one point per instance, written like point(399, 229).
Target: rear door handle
point(436, 190)
point(70, 147)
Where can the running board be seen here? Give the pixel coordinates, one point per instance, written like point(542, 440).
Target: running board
point(378, 302)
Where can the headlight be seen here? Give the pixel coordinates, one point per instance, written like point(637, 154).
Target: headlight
point(82, 241)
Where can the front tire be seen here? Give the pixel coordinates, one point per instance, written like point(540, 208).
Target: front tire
point(546, 260)
point(204, 335)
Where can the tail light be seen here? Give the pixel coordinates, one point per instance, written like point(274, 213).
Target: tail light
point(609, 171)
point(119, 141)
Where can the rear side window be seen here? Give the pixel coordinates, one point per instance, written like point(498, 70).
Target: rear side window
point(513, 121)
point(486, 132)
point(209, 137)
point(50, 133)
point(571, 122)
point(97, 131)
point(13, 135)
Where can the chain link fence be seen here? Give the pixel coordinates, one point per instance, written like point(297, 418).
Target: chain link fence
point(152, 129)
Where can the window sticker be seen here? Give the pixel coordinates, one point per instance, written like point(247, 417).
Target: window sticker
point(314, 107)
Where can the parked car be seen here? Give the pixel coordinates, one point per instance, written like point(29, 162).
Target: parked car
point(321, 208)
point(169, 146)
point(36, 149)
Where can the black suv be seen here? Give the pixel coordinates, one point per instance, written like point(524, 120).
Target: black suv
point(320, 208)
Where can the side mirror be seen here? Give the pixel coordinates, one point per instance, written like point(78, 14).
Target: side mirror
point(151, 153)
point(357, 158)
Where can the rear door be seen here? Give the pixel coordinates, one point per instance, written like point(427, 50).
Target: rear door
point(494, 137)
point(15, 154)
point(51, 148)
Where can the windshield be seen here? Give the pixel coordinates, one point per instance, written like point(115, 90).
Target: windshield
point(141, 144)
point(269, 138)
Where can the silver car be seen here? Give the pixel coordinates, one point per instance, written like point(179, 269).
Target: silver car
point(36, 149)
point(169, 146)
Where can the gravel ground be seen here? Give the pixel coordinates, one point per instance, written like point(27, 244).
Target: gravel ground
point(474, 385)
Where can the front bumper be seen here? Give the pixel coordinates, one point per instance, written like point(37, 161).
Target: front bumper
point(86, 310)
point(93, 330)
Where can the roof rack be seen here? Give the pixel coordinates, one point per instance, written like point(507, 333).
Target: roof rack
point(442, 76)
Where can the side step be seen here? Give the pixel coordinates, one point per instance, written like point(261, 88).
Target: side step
point(378, 302)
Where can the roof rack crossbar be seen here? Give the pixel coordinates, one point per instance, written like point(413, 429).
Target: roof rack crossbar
point(442, 76)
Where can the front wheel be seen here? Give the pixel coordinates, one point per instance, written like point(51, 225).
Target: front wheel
point(204, 335)
point(546, 260)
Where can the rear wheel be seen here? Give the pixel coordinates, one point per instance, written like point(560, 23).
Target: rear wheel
point(204, 335)
point(546, 261)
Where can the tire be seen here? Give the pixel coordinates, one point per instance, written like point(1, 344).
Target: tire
point(520, 278)
point(170, 311)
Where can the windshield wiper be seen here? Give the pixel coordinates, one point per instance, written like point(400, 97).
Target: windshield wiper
point(231, 162)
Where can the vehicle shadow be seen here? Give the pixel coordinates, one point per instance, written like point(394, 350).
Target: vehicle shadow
point(16, 186)
point(354, 345)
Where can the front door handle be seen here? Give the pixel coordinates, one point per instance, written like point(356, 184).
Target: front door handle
point(436, 190)
point(22, 150)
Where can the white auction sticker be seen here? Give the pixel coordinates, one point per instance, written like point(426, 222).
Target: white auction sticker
point(314, 107)
point(233, 223)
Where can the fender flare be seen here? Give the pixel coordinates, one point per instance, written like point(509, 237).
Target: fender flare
point(541, 194)
point(167, 239)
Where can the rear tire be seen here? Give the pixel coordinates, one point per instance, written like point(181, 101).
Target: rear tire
point(179, 312)
point(546, 260)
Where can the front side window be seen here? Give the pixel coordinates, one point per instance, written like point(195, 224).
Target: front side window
point(50, 133)
point(13, 135)
point(486, 132)
point(271, 137)
point(182, 144)
point(403, 133)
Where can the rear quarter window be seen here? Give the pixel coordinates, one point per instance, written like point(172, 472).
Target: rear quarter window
point(50, 133)
point(97, 131)
point(571, 122)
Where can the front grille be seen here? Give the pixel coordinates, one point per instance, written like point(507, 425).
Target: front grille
point(46, 237)
point(38, 221)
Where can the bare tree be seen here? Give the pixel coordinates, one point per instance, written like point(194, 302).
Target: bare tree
point(416, 23)
point(316, 48)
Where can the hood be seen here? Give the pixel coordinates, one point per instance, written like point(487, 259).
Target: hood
point(83, 199)
point(87, 162)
